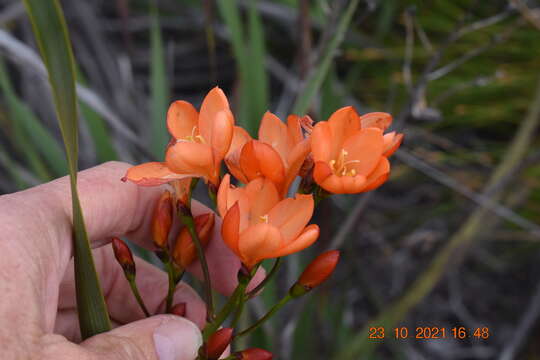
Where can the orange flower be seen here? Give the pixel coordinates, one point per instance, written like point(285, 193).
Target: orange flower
point(278, 154)
point(258, 225)
point(199, 143)
point(350, 152)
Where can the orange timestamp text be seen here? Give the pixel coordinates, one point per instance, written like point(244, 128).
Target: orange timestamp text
point(429, 332)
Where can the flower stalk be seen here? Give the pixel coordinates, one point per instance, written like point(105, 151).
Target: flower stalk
point(187, 218)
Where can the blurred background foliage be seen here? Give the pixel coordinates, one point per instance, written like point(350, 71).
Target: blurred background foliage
point(452, 238)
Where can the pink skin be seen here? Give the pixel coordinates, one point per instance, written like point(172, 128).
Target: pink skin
point(36, 267)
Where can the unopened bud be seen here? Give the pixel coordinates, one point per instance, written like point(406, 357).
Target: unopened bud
point(253, 354)
point(316, 273)
point(185, 252)
point(162, 220)
point(179, 309)
point(123, 255)
point(217, 343)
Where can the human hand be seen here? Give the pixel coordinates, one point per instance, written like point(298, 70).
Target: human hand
point(37, 306)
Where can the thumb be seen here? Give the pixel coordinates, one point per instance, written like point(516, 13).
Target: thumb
point(163, 337)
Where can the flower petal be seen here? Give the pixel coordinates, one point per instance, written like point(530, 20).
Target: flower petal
point(378, 176)
point(379, 120)
point(294, 162)
point(343, 184)
point(366, 147)
point(392, 141)
point(274, 133)
point(230, 228)
point(294, 128)
point(343, 122)
point(306, 238)
point(152, 174)
point(214, 102)
point(258, 242)
point(263, 196)
point(321, 172)
point(190, 158)
point(321, 142)
point(258, 159)
point(291, 216)
point(182, 118)
point(222, 135)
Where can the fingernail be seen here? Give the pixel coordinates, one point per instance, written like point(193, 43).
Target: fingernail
point(177, 339)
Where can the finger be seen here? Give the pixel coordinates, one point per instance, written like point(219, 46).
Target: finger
point(121, 303)
point(38, 228)
point(67, 325)
point(164, 337)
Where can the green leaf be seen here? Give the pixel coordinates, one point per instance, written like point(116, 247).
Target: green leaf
point(320, 72)
point(250, 62)
point(159, 87)
point(52, 38)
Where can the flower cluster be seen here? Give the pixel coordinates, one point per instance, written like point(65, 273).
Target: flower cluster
point(263, 217)
point(346, 154)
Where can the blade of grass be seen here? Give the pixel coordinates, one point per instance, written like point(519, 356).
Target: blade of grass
point(51, 33)
point(319, 73)
point(159, 86)
point(258, 80)
point(250, 62)
point(41, 138)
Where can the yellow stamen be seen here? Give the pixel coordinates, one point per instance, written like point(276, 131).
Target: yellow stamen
point(264, 218)
point(340, 166)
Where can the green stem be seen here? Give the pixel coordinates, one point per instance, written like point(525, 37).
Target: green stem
point(137, 295)
point(188, 220)
point(266, 317)
point(172, 285)
point(211, 327)
point(268, 277)
point(239, 310)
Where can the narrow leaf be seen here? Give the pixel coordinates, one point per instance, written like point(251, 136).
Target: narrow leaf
point(159, 86)
point(52, 38)
point(319, 73)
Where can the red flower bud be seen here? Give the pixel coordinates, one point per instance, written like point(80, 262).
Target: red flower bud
point(218, 342)
point(179, 309)
point(185, 252)
point(162, 220)
point(319, 269)
point(123, 255)
point(253, 354)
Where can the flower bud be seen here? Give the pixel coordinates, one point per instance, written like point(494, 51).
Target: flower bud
point(217, 343)
point(162, 220)
point(185, 252)
point(253, 354)
point(123, 255)
point(179, 309)
point(316, 273)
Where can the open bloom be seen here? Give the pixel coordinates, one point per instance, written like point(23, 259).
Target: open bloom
point(278, 154)
point(258, 225)
point(350, 151)
point(199, 143)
